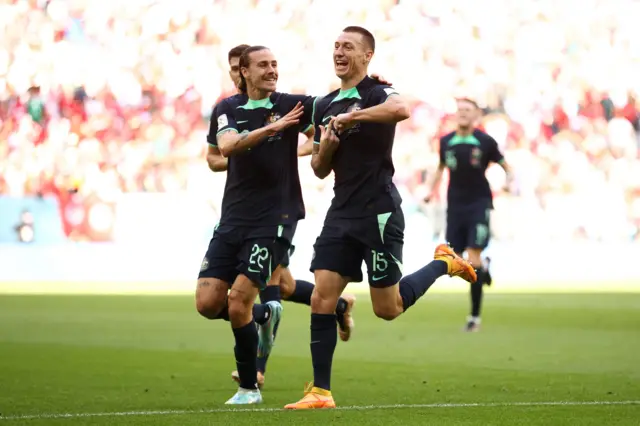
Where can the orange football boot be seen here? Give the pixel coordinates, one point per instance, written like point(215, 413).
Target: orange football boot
point(456, 266)
point(314, 398)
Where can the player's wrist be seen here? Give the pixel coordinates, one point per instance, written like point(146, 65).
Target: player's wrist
point(353, 117)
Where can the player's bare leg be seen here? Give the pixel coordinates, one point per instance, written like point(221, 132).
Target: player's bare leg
point(329, 287)
point(211, 298)
point(241, 299)
point(391, 302)
point(474, 256)
point(300, 291)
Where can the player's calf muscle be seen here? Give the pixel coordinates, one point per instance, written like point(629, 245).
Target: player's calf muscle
point(329, 287)
point(287, 284)
point(387, 303)
point(475, 257)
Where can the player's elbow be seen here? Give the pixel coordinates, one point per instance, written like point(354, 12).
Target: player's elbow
point(320, 171)
point(217, 164)
point(400, 108)
point(225, 149)
point(402, 111)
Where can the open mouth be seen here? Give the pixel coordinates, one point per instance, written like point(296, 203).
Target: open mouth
point(341, 64)
point(270, 79)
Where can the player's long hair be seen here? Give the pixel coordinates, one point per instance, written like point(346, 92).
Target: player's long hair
point(244, 63)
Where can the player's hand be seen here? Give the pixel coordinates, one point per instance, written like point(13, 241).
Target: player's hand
point(343, 122)
point(508, 185)
point(380, 79)
point(429, 197)
point(291, 119)
point(328, 137)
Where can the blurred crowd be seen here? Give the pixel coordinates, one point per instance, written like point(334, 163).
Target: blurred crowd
point(100, 98)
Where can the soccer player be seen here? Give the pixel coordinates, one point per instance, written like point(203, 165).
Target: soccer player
point(467, 152)
point(355, 129)
point(257, 131)
point(209, 302)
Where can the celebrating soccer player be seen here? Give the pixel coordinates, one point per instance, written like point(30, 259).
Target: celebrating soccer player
point(467, 152)
point(355, 129)
point(210, 299)
point(257, 130)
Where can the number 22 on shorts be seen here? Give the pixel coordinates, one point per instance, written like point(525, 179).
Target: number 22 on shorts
point(258, 255)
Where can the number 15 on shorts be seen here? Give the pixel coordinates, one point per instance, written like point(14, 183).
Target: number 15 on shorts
point(379, 265)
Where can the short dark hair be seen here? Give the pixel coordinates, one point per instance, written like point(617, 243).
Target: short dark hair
point(366, 35)
point(236, 52)
point(468, 100)
point(245, 61)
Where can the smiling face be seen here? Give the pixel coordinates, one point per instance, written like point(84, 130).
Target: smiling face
point(261, 72)
point(351, 55)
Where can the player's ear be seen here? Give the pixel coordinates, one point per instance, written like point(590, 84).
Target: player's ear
point(368, 55)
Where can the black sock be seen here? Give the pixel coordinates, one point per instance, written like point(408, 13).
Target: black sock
point(487, 277)
point(262, 361)
point(413, 286)
point(323, 343)
point(476, 293)
point(270, 294)
point(261, 313)
point(302, 293)
point(341, 307)
point(246, 350)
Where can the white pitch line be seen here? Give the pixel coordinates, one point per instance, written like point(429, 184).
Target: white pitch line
point(346, 408)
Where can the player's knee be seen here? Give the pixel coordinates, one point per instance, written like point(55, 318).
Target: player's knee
point(387, 313)
point(239, 307)
point(210, 297)
point(323, 301)
point(287, 284)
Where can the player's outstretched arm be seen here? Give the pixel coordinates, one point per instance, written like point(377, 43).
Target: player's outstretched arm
point(393, 110)
point(323, 151)
point(307, 147)
point(215, 160)
point(231, 143)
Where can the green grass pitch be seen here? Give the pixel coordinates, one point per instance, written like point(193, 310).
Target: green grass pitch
point(540, 359)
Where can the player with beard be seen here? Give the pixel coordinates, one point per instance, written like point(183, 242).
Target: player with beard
point(208, 300)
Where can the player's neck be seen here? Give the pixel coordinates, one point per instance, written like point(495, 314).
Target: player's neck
point(257, 94)
point(464, 131)
point(353, 81)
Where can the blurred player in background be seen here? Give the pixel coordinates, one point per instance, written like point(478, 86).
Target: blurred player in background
point(298, 291)
point(467, 153)
point(355, 129)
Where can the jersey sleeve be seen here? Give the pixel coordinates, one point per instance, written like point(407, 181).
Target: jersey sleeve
point(379, 94)
point(494, 152)
point(443, 148)
point(308, 102)
point(306, 122)
point(316, 119)
point(222, 121)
